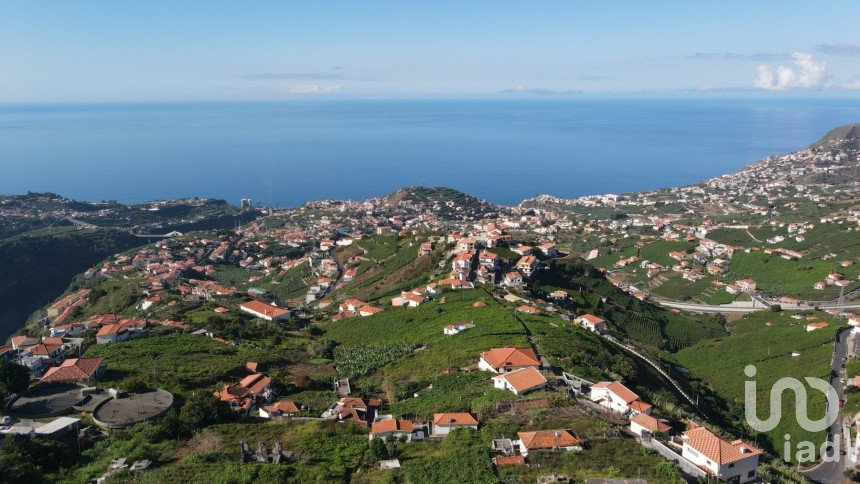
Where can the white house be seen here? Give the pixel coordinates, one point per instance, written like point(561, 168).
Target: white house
point(457, 328)
point(513, 278)
point(279, 409)
point(503, 360)
point(527, 265)
point(394, 428)
point(520, 381)
point(591, 323)
point(265, 311)
point(642, 424)
point(618, 398)
point(444, 423)
point(728, 461)
point(555, 440)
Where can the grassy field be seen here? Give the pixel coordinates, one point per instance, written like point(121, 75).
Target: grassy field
point(766, 340)
point(422, 326)
point(778, 276)
point(177, 363)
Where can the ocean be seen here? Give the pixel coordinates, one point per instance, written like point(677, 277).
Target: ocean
point(288, 152)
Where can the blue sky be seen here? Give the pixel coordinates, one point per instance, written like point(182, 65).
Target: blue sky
point(52, 51)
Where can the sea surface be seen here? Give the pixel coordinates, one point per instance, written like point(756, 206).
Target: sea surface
point(286, 153)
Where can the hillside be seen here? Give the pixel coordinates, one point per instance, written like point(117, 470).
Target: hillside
point(35, 270)
point(444, 203)
point(46, 240)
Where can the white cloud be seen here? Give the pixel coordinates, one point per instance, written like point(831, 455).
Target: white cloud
point(808, 73)
point(314, 89)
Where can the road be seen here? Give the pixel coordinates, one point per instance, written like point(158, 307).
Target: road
point(832, 472)
point(735, 307)
point(757, 304)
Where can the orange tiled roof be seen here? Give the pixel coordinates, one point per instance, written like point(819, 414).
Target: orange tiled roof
point(619, 390)
point(549, 439)
point(73, 369)
point(499, 357)
point(717, 449)
point(454, 419)
point(523, 379)
point(391, 425)
point(650, 423)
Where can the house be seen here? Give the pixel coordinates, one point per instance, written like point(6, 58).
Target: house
point(644, 424)
point(279, 409)
point(457, 328)
point(815, 326)
point(522, 250)
point(520, 381)
point(513, 279)
point(368, 310)
point(729, 461)
point(243, 396)
point(503, 360)
point(351, 305)
point(618, 398)
point(19, 342)
point(548, 249)
point(528, 309)
point(74, 370)
point(591, 323)
point(555, 440)
point(408, 299)
point(45, 350)
point(467, 244)
point(746, 285)
point(111, 333)
point(527, 265)
point(489, 260)
point(266, 311)
point(733, 289)
point(349, 274)
point(444, 423)
point(353, 409)
point(395, 428)
point(462, 261)
point(425, 248)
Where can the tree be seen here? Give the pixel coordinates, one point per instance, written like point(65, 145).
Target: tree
point(378, 450)
point(776, 308)
point(14, 377)
point(202, 410)
point(321, 348)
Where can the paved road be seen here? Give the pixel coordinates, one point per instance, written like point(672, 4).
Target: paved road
point(832, 472)
point(735, 307)
point(749, 306)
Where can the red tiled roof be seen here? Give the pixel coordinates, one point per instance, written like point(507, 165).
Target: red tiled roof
point(548, 439)
point(73, 369)
point(523, 379)
point(619, 390)
point(391, 425)
point(718, 450)
point(265, 309)
point(500, 357)
point(650, 423)
point(454, 419)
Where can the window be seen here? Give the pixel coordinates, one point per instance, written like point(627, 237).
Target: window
point(751, 473)
point(731, 465)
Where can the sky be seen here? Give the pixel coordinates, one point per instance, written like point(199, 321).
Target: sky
point(88, 51)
